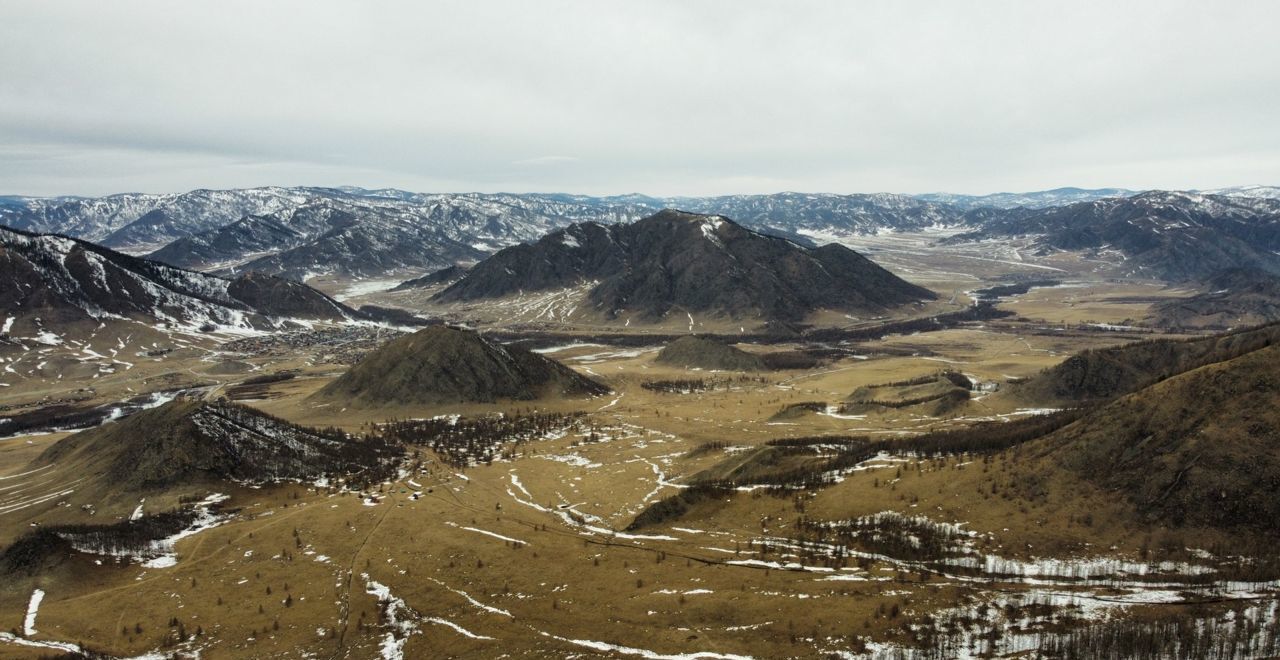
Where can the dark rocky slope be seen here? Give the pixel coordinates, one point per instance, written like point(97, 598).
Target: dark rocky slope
point(1232, 298)
point(441, 364)
point(688, 263)
point(705, 353)
point(188, 442)
point(64, 280)
point(447, 275)
point(1174, 236)
point(1110, 372)
point(1199, 449)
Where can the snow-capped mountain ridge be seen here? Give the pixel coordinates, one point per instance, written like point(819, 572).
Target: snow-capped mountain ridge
point(1031, 200)
point(63, 280)
point(355, 232)
point(1172, 235)
point(1262, 192)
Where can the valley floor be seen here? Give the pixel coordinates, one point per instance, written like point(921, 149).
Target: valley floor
point(530, 554)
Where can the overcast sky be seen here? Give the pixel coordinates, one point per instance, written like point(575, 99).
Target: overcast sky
point(600, 97)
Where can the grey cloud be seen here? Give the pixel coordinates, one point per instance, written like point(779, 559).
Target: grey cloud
point(661, 97)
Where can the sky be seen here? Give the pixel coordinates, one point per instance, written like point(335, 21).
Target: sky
point(678, 97)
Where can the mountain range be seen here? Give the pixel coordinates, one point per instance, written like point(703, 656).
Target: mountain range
point(1174, 236)
point(302, 231)
point(64, 280)
point(372, 234)
point(1031, 200)
point(352, 232)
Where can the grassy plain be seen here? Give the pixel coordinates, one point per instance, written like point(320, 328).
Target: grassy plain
point(529, 557)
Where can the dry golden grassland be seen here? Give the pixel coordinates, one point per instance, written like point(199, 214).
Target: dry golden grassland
point(528, 556)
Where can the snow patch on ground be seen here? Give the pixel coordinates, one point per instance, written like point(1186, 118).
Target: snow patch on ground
point(33, 608)
point(48, 338)
point(57, 646)
point(403, 620)
point(575, 460)
point(789, 566)
point(584, 528)
point(399, 619)
point(645, 653)
point(457, 628)
point(160, 553)
point(475, 603)
point(364, 288)
point(565, 347)
point(487, 533)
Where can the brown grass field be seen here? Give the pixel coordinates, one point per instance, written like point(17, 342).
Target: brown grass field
point(529, 557)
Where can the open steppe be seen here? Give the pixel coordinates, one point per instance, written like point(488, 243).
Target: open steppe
point(531, 550)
